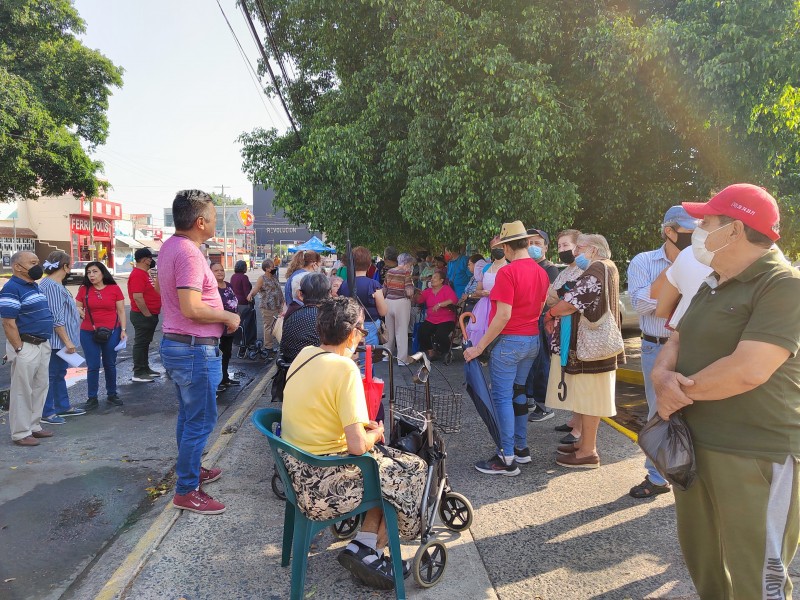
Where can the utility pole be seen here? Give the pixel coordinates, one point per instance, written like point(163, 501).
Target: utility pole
point(91, 229)
point(224, 227)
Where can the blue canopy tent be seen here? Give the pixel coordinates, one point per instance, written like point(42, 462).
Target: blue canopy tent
point(315, 244)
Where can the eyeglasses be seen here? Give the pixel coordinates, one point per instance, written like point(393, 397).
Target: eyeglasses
point(361, 330)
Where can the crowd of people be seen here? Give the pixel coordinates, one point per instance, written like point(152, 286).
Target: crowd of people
point(717, 305)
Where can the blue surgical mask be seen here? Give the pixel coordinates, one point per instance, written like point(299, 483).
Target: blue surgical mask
point(535, 252)
point(582, 262)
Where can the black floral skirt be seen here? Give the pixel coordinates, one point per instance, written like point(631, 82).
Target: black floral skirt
point(328, 492)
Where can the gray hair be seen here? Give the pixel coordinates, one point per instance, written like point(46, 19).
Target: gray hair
point(296, 282)
point(316, 287)
point(405, 259)
point(597, 241)
point(16, 258)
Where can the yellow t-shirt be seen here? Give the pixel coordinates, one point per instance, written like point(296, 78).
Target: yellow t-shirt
point(323, 398)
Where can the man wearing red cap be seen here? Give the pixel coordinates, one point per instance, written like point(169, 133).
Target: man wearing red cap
point(733, 370)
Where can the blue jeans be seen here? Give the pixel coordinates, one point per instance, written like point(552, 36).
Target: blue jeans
point(93, 353)
point(650, 352)
point(57, 399)
point(196, 372)
point(510, 363)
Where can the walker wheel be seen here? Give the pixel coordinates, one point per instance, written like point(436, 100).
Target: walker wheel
point(277, 487)
point(259, 344)
point(346, 529)
point(448, 358)
point(430, 562)
point(456, 511)
point(252, 354)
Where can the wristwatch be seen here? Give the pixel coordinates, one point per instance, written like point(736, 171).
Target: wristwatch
point(18, 350)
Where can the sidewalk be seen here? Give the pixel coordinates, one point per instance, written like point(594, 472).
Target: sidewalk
point(550, 533)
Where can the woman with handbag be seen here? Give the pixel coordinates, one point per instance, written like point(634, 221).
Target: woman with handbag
point(271, 304)
point(102, 308)
point(588, 312)
point(398, 289)
point(369, 294)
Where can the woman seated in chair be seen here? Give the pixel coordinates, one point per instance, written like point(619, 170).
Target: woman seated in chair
point(325, 413)
point(440, 318)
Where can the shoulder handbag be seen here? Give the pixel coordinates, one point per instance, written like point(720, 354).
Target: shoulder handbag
point(602, 339)
point(100, 334)
point(280, 378)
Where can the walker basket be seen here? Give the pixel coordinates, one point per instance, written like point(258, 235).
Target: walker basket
point(445, 405)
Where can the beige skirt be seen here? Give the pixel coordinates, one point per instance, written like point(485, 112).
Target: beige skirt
point(587, 394)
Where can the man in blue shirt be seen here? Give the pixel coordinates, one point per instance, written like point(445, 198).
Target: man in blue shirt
point(646, 276)
point(28, 325)
point(458, 272)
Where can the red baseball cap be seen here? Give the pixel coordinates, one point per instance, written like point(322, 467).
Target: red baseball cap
point(750, 204)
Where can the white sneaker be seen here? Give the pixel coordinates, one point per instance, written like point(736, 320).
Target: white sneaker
point(142, 379)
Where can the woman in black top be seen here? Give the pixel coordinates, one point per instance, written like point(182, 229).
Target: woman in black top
point(300, 328)
point(229, 303)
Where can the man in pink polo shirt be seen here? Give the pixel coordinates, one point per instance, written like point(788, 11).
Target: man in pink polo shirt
point(193, 322)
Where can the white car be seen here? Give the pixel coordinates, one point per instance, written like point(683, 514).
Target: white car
point(77, 271)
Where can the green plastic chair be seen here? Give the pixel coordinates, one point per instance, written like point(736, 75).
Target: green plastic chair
point(299, 530)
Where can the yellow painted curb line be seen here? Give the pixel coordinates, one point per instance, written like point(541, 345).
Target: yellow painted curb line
point(623, 430)
point(147, 544)
point(630, 376)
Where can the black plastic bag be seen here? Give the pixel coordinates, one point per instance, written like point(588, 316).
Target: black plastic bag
point(279, 379)
point(669, 445)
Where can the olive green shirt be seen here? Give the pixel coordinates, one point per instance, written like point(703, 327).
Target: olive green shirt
point(760, 304)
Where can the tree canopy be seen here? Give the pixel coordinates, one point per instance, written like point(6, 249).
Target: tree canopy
point(431, 122)
point(53, 100)
point(219, 200)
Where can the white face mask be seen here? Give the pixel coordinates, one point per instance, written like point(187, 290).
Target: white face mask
point(701, 253)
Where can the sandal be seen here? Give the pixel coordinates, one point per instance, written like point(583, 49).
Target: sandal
point(648, 489)
point(369, 574)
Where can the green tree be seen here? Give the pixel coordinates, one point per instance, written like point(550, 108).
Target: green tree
point(219, 199)
point(53, 100)
point(430, 122)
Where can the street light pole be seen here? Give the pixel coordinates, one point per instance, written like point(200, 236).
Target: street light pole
point(224, 227)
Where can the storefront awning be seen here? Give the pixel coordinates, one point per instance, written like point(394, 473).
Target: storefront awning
point(22, 232)
point(124, 240)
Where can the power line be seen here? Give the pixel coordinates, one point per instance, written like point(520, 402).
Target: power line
point(251, 72)
point(265, 57)
point(273, 45)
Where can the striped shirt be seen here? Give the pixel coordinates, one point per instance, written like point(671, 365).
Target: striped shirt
point(65, 313)
point(398, 285)
point(642, 272)
point(22, 301)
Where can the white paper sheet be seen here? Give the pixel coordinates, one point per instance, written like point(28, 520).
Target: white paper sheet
point(122, 345)
point(73, 360)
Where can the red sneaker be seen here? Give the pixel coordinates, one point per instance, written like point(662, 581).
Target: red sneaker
point(209, 475)
point(198, 501)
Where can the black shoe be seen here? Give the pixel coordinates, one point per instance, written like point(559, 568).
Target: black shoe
point(539, 414)
point(114, 400)
point(221, 388)
point(369, 574)
point(522, 455)
point(497, 466)
point(563, 428)
point(569, 439)
point(242, 352)
point(233, 382)
point(90, 404)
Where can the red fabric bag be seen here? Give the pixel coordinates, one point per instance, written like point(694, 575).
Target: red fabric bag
point(373, 388)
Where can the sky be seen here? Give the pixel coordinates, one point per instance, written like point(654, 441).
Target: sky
point(187, 95)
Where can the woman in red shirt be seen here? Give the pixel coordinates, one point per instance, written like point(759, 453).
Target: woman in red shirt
point(440, 320)
point(102, 306)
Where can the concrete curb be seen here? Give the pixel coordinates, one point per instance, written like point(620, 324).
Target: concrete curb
point(123, 577)
point(630, 376)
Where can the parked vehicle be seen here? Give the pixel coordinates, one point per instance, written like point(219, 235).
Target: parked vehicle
point(630, 318)
point(77, 272)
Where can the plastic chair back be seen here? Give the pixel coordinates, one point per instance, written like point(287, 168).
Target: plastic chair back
point(298, 529)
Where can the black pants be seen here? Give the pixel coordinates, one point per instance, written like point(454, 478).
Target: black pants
point(436, 337)
point(225, 346)
point(144, 328)
point(247, 335)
